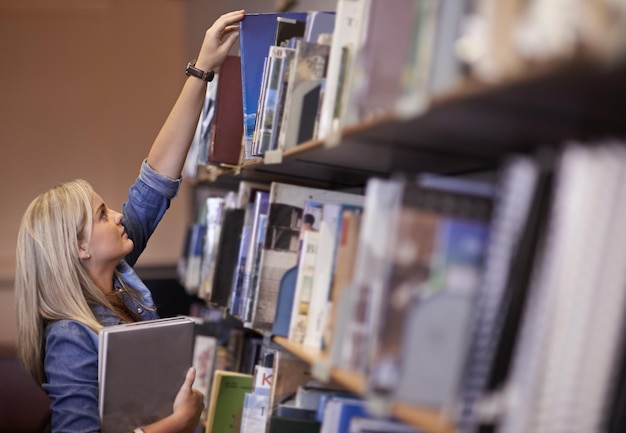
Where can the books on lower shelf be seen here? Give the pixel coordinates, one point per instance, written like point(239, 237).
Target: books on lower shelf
point(281, 243)
point(227, 400)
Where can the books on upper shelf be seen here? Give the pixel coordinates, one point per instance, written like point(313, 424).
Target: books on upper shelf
point(318, 23)
point(281, 243)
point(199, 149)
point(141, 368)
point(379, 66)
point(303, 94)
point(347, 40)
point(257, 32)
point(271, 101)
point(227, 398)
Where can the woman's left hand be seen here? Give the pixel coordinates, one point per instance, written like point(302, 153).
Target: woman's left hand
point(218, 40)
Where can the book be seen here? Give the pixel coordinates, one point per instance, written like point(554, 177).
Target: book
point(235, 299)
point(192, 275)
point(317, 23)
point(228, 392)
point(204, 354)
point(227, 254)
point(198, 153)
point(257, 32)
point(255, 412)
point(339, 412)
point(288, 373)
point(266, 129)
point(253, 257)
point(517, 184)
point(303, 94)
point(284, 303)
point(286, 29)
point(377, 74)
point(227, 126)
point(347, 40)
point(374, 425)
point(319, 305)
point(214, 206)
point(280, 248)
point(304, 286)
point(138, 380)
point(349, 227)
point(382, 201)
point(280, 424)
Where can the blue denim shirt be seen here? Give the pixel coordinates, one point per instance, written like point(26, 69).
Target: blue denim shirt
point(71, 348)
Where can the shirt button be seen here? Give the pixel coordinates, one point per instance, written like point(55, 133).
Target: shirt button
point(139, 310)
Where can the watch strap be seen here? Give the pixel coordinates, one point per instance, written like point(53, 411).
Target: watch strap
point(192, 71)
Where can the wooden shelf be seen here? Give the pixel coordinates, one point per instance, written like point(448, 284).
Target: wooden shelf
point(430, 421)
point(467, 129)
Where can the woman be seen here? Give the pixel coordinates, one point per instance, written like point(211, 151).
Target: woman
point(74, 258)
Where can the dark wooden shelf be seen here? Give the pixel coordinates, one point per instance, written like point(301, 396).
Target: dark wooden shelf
point(467, 129)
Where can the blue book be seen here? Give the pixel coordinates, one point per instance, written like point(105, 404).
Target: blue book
point(257, 32)
point(340, 411)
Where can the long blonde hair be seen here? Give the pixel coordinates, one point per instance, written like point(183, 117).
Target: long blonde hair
point(50, 281)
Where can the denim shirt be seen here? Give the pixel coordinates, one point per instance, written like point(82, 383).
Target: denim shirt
point(71, 348)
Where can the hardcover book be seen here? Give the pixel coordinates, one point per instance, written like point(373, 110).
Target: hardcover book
point(227, 127)
point(227, 400)
point(226, 259)
point(138, 380)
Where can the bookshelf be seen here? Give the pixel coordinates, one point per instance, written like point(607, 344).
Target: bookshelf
point(579, 98)
point(427, 420)
point(466, 130)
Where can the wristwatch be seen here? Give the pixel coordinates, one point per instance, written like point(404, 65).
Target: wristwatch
point(191, 70)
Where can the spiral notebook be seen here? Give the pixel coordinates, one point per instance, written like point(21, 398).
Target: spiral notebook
point(141, 368)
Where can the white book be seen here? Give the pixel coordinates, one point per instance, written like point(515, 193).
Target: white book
point(347, 38)
point(304, 286)
point(141, 367)
point(324, 266)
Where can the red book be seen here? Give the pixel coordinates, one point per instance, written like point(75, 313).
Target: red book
point(227, 127)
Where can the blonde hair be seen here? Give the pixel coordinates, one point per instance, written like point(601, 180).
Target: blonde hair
point(50, 281)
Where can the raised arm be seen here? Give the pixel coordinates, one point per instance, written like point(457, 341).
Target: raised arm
point(169, 150)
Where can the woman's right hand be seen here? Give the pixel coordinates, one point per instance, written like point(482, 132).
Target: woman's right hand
point(189, 403)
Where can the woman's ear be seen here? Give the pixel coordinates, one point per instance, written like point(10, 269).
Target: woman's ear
point(83, 254)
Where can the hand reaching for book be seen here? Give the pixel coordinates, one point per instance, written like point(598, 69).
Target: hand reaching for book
point(218, 40)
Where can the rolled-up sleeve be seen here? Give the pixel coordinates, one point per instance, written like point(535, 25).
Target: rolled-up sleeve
point(71, 365)
point(148, 199)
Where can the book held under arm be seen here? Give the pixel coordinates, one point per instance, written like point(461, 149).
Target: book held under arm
point(141, 368)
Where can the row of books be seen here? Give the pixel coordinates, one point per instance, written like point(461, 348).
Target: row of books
point(308, 75)
point(281, 396)
point(456, 295)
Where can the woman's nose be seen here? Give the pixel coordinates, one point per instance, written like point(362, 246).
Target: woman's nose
point(117, 217)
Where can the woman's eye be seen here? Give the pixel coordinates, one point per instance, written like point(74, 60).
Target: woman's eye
point(103, 216)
